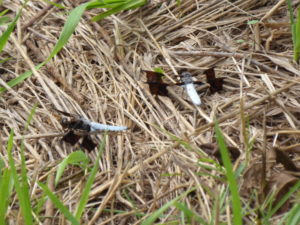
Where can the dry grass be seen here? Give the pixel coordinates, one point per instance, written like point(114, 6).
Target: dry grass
point(98, 75)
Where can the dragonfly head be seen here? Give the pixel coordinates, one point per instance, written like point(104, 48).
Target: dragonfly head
point(65, 123)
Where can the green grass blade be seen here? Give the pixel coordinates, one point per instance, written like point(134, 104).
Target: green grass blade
point(188, 146)
point(4, 12)
point(78, 158)
point(292, 21)
point(55, 4)
point(24, 180)
point(58, 204)
point(215, 210)
point(39, 204)
point(293, 216)
point(128, 5)
point(297, 38)
point(189, 214)
point(235, 197)
point(5, 20)
point(85, 195)
point(175, 138)
point(30, 117)
point(68, 29)
point(151, 219)
point(282, 200)
point(222, 196)
point(25, 189)
point(24, 177)
point(2, 165)
point(6, 185)
point(107, 4)
point(5, 60)
point(158, 70)
point(20, 187)
point(95, 5)
point(20, 78)
point(5, 36)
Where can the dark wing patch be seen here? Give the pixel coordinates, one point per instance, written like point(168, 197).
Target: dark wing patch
point(153, 77)
point(71, 138)
point(156, 84)
point(158, 89)
point(88, 143)
point(216, 84)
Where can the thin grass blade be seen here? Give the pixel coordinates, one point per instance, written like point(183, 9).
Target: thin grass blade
point(158, 213)
point(21, 192)
point(95, 5)
point(64, 210)
point(297, 38)
point(282, 200)
point(191, 216)
point(85, 195)
point(128, 5)
point(292, 21)
point(24, 180)
point(20, 78)
point(78, 158)
point(6, 186)
point(68, 29)
point(5, 36)
point(233, 186)
point(5, 20)
point(4, 12)
point(293, 216)
point(54, 4)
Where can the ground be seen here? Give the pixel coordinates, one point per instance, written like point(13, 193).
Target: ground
point(99, 75)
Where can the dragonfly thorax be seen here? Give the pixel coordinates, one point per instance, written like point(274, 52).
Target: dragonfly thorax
point(75, 124)
point(186, 77)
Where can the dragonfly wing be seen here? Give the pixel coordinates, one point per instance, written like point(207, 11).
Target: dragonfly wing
point(88, 143)
point(153, 77)
point(71, 138)
point(157, 88)
point(66, 113)
point(216, 84)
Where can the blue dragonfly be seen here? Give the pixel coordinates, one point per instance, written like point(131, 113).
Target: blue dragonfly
point(78, 126)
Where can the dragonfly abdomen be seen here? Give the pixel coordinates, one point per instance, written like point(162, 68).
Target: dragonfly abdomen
point(98, 126)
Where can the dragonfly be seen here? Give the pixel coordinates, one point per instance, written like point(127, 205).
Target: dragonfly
point(78, 127)
point(158, 87)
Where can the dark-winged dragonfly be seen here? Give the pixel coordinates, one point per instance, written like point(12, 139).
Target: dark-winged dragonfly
point(158, 87)
point(79, 127)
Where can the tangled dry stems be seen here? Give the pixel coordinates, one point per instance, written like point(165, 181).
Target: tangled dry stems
point(98, 75)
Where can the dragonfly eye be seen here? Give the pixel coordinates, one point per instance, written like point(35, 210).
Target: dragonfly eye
point(64, 122)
